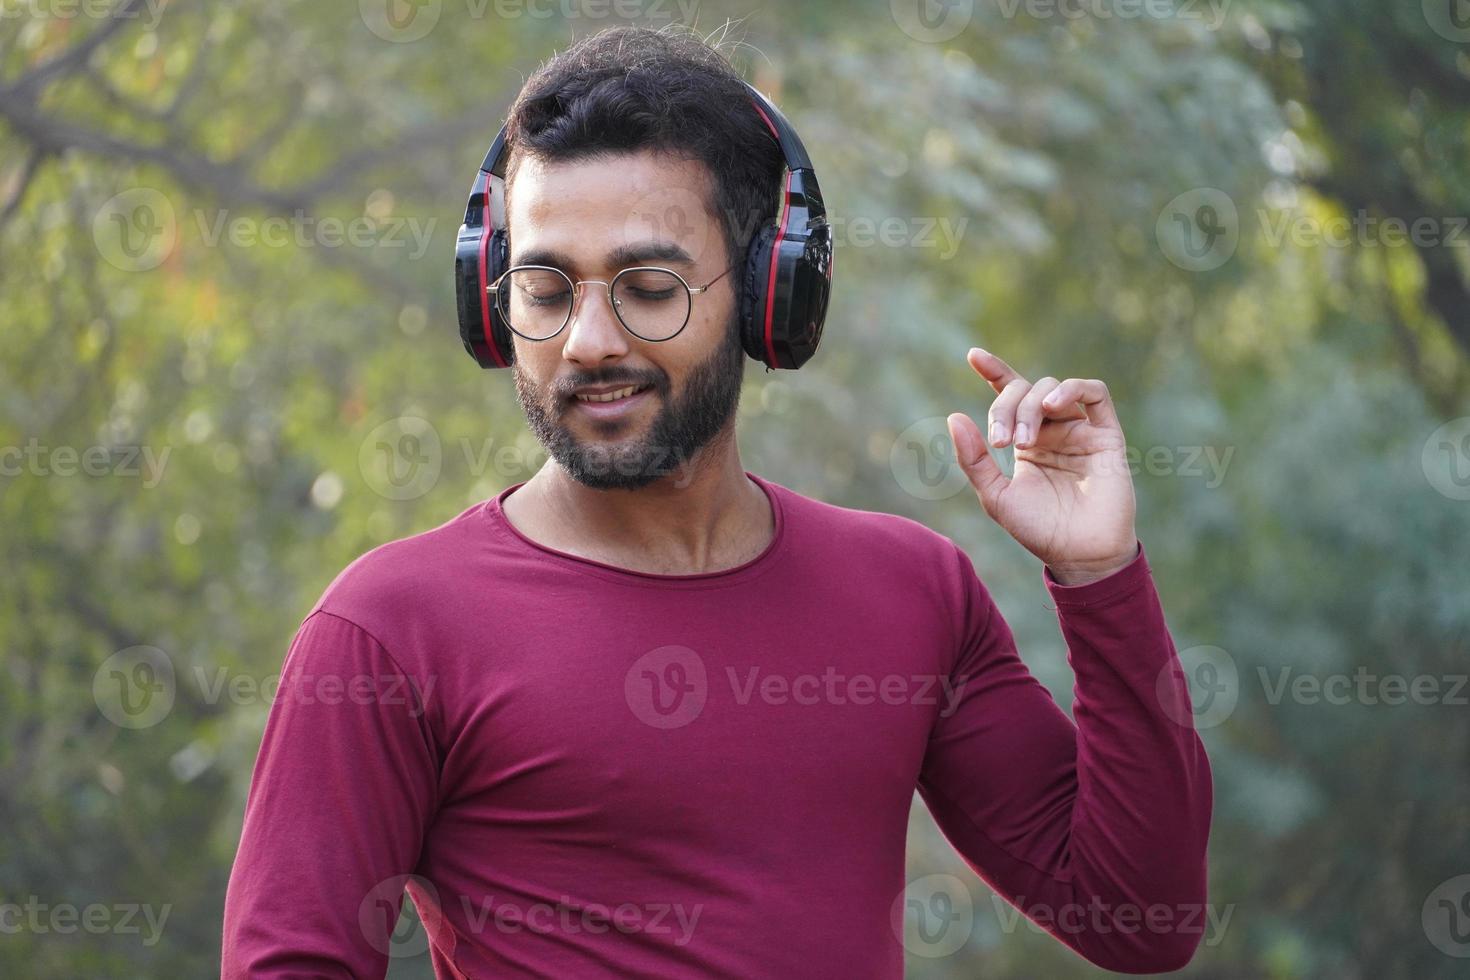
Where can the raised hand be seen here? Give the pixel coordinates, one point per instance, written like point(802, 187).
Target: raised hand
point(1070, 499)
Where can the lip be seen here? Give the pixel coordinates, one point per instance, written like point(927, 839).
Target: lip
point(611, 410)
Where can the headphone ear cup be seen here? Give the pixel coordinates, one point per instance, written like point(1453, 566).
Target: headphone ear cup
point(470, 297)
point(497, 260)
point(755, 286)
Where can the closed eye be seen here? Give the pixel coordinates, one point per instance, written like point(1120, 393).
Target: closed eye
point(651, 295)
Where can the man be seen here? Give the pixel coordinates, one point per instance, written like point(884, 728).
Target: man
point(648, 714)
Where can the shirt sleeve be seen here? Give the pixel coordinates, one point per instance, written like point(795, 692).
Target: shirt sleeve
point(343, 789)
point(1097, 830)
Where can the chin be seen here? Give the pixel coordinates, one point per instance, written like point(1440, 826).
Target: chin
point(616, 464)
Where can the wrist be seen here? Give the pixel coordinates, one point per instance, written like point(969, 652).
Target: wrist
point(1085, 573)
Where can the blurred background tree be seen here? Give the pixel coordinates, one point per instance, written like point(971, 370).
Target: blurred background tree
point(230, 366)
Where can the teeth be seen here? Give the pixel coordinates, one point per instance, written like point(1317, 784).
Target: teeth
point(611, 396)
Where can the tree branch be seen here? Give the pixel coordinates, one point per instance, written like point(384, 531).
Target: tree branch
point(73, 57)
point(22, 184)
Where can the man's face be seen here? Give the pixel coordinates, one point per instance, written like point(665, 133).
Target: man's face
point(592, 219)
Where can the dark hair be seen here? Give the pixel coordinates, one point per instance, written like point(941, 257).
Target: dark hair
point(627, 89)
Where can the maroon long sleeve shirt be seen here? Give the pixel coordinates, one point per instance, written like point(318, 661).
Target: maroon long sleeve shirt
point(580, 770)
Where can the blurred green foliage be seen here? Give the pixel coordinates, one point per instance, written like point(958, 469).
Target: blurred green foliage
point(1141, 198)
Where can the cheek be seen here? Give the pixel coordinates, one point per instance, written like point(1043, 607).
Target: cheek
point(538, 362)
point(532, 377)
point(712, 320)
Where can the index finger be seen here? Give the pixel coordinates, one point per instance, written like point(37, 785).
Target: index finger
point(995, 371)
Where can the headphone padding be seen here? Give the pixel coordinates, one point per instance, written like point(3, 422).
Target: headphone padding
point(497, 260)
point(754, 288)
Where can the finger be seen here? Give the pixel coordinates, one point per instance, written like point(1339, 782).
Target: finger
point(970, 452)
point(992, 368)
point(1091, 394)
point(1003, 412)
point(1062, 404)
point(1028, 413)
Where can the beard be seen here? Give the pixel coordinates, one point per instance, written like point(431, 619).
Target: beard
point(685, 424)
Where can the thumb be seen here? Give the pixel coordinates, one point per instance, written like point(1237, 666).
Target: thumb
point(974, 458)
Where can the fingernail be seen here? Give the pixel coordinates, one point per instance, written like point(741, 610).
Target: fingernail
point(997, 433)
point(1022, 431)
point(963, 449)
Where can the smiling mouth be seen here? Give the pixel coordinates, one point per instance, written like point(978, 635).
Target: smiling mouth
point(613, 396)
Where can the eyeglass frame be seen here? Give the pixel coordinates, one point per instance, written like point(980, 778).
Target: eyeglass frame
point(494, 288)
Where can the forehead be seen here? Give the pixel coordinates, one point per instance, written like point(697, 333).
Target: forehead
point(589, 211)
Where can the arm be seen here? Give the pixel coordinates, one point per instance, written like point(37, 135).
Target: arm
point(1096, 831)
point(343, 788)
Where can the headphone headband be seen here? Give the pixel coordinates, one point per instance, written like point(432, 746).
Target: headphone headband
point(783, 294)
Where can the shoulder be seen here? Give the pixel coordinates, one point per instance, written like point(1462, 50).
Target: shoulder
point(898, 544)
point(896, 559)
point(409, 580)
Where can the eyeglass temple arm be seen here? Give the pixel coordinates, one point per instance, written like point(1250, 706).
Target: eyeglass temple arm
point(700, 289)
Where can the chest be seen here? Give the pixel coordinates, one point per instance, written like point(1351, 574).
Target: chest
point(662, 720)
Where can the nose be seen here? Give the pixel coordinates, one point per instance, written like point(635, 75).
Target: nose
point(595, 334)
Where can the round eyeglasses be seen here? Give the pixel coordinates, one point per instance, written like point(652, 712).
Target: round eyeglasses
point(653, 304)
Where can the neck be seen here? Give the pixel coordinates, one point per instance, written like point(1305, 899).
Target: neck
point(705, 516)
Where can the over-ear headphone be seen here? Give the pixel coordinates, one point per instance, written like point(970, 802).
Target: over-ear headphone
point(783, 293)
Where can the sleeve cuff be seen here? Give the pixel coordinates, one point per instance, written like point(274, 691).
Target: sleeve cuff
point(1125, 580)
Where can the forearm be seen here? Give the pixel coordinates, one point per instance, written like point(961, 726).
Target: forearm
point(1097, 829)
point(1144, 794)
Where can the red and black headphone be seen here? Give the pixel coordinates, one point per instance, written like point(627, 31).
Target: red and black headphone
point(788, 267)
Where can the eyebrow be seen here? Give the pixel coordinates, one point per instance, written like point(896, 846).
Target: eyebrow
point(621, 257)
